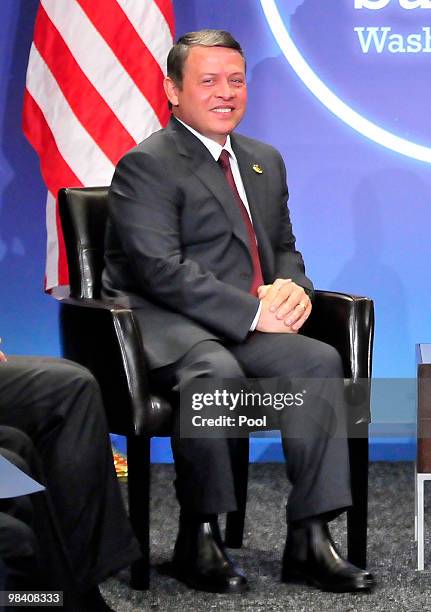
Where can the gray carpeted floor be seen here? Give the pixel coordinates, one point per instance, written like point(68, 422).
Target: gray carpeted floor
point(392, 552)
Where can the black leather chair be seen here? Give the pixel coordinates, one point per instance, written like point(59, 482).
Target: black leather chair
point(106, 339)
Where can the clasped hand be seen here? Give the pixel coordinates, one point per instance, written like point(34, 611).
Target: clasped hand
point(285, 307)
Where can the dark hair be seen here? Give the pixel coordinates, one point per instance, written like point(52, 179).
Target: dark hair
point(205, 38)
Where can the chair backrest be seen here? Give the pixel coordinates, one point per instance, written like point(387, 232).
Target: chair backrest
point(83, 213)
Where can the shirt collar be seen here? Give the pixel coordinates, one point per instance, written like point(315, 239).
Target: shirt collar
point(213, 147)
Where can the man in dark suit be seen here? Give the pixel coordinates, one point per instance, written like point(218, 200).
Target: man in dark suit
point(75, 534)
point(200, 245)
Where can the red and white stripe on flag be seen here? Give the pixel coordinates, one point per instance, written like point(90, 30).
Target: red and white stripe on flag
point(93, 91)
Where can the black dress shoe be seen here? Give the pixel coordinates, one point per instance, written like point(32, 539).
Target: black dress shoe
point(201, 562)
point(311, 556)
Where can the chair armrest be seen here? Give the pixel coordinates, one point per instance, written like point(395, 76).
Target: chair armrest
point(347, 323)
point(106, 339)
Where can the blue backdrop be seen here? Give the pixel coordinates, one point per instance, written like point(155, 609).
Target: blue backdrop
point(361, 211)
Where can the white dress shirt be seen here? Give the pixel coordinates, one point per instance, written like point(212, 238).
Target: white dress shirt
point(215, 149)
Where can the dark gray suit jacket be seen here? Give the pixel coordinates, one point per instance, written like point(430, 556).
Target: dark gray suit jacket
point(176, 245)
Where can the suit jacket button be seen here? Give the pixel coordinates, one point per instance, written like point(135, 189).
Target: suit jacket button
point(245, 275)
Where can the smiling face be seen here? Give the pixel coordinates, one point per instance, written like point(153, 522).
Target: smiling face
point(213, 94)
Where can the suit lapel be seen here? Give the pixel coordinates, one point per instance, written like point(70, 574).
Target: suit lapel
point(256, 190)
point(210, 174)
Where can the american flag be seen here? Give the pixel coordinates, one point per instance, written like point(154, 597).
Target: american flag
point(93, 91)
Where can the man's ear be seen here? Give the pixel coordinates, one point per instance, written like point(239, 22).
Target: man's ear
point(171, 90)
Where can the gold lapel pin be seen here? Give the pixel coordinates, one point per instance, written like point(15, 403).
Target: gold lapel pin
point(257, 169)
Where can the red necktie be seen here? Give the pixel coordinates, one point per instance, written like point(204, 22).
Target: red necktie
point(257, 270)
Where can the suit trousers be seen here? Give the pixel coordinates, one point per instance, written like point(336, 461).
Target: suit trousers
point(313, 435)
point(31, 545)
point(58, 405)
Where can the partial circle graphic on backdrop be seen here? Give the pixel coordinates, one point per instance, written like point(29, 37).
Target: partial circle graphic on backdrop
point(329, 99)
